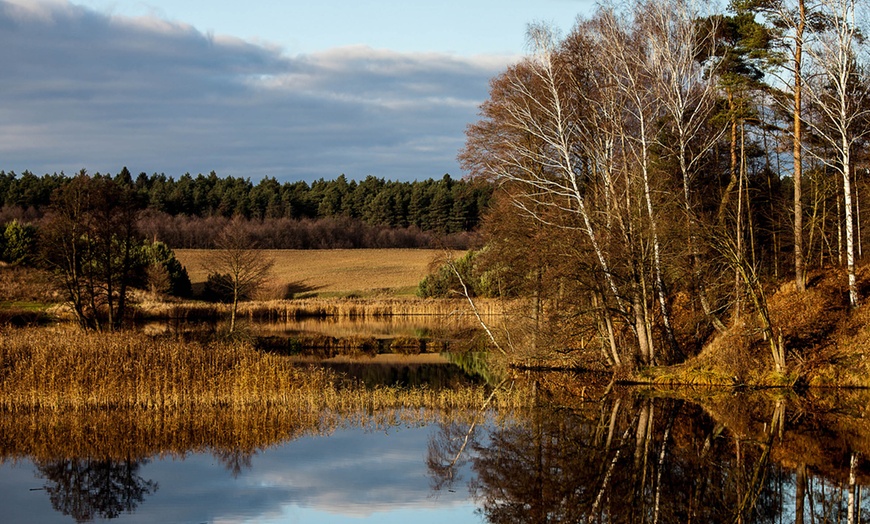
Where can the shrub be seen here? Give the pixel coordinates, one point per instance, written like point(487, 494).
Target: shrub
point(18, 245)
point(164, 272)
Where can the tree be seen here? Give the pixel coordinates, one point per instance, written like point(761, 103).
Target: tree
point(91, 240)
point(686, 84)
point(164, 273)
point(840, 93)
point(241, 269)
point(789, 21)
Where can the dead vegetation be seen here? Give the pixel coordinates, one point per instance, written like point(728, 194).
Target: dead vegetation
point(827, 342)
point(63, 369)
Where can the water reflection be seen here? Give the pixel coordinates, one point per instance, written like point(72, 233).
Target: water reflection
point(569, 453)
point(637, 459)
point(86, 489)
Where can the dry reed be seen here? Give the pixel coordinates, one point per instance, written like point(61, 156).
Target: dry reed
point(287, 310)
point(64, 369)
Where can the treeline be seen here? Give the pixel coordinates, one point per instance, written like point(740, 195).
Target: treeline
point(183, 232)
point(440, 207)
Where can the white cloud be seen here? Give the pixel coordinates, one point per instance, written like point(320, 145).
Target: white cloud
point(85, 89)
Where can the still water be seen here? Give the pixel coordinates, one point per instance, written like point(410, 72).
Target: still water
point(551, 447)
point(632, 456)
point(352, 475)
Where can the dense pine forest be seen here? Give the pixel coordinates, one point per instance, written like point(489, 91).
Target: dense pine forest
point(189, 211)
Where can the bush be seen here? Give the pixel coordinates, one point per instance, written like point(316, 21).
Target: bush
point(164, 272)
point(18, 245)
point(445, 283)
point(218, 288)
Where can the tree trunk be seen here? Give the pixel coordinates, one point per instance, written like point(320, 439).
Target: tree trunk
point(643, 347)
point(797, 148)
point(850, 235)
point(233, 311)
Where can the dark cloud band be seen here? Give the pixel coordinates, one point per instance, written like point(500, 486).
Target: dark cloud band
point(84, 89)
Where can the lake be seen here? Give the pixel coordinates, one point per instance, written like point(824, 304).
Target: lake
point(634, 455)
point(442, 437)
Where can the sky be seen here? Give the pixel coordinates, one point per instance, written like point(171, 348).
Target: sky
point(292, 90)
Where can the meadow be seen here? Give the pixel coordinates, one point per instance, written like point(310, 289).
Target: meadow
point(332, 272)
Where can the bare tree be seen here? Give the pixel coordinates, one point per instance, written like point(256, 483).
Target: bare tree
point(237, 266)
point(529, 142)
point(637, 111)
point(91, 241)
point(687, 90)
point(838, 91)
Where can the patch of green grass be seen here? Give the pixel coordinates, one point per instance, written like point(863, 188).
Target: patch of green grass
point(26, 306)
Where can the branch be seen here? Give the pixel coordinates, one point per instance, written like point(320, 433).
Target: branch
point(474, 307)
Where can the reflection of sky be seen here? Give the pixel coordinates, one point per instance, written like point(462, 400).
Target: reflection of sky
point(350, 476)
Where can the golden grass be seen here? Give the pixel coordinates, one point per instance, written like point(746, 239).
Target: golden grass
point(67, 370)
point(455, 313)
point(334, 272)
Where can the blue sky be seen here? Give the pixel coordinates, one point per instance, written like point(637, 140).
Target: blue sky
point(294, 90)
point(447, 26)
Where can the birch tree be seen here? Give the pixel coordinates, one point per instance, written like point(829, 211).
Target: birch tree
point(686, 88)
point(837, 90)
point(530, 140)
point(622, 56)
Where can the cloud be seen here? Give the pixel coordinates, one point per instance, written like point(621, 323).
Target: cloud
point(86, 89)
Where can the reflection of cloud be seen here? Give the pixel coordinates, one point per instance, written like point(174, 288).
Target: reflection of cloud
point(355, 473)
point(352, 473)
point(83, 89)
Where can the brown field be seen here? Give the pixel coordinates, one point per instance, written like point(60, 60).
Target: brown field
point(332, 272)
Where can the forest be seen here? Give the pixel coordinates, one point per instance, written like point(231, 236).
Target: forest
point(190, 211)
point(663, 169)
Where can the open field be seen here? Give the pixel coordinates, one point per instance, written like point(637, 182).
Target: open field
point(332, 272)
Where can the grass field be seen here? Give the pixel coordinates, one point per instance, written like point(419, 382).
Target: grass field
point(332, 272)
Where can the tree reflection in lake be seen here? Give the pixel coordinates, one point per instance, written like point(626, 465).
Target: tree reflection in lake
point(550, 449)
point(86, 489)
point(638, 459)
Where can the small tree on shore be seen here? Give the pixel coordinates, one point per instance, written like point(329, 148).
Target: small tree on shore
point(237, 267)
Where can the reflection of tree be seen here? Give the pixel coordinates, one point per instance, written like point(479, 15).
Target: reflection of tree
point(86, 489)
point(235, 460)
point(638, 461)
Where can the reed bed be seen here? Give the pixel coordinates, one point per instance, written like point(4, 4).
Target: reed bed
point(63, 369)
point(295, 309)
